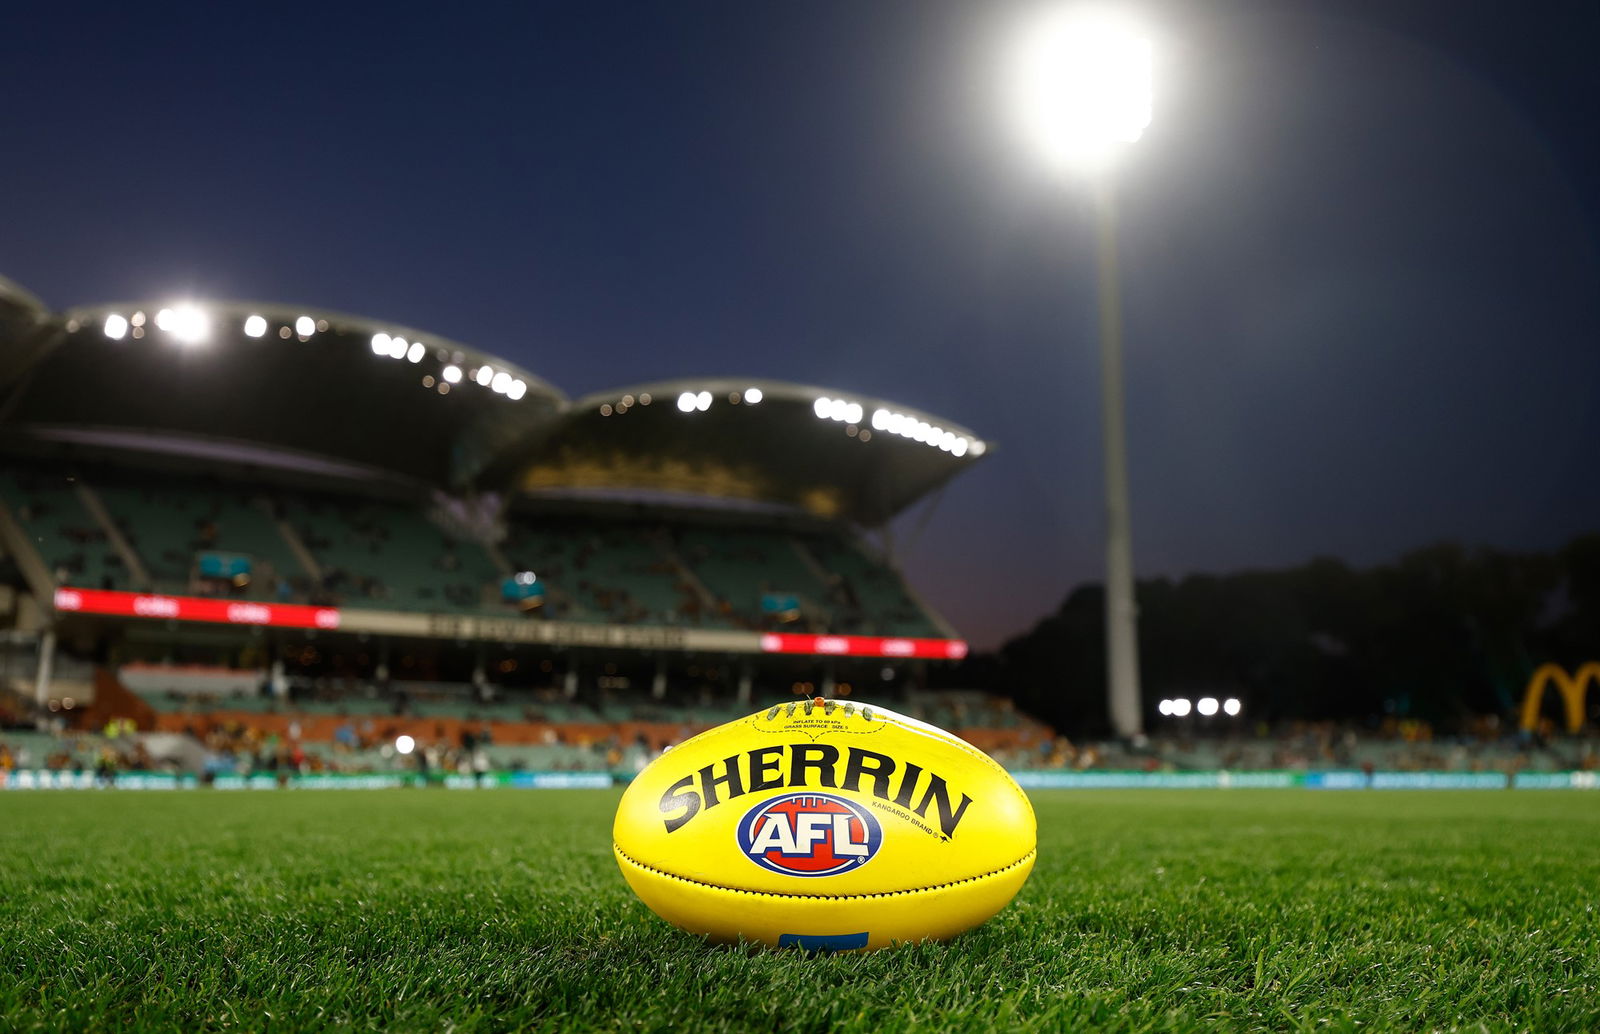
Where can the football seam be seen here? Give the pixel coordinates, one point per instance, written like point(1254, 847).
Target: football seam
point(823, 897)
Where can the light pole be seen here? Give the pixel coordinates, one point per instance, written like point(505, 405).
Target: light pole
point(1082, 90)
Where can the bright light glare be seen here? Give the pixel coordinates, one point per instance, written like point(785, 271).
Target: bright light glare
point(380, 344)
point(1231, 706)
point(500, 383)
point(116, 327)
point(702, 401)
point(1208, 706)
point(1165, 707)
point(821, 407)
point(255, 326)
point(1080, 86)
point(686, 402)
point(484, 375)
point(753, 396)
point(404, 744)
point(1180, 707)
point(186, 324)
point(416, 352)
point(305, 326)
point(516, 391)
point(452, 374)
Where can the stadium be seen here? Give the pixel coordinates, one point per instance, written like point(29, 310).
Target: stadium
point(734, 624)
point(204, 533)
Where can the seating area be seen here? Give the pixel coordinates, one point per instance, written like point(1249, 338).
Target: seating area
point(386, 555)
point(593, 572)
point(740, 567)
point(71, 543)
point(872, 598)
point(198, 535)
point(170, 525)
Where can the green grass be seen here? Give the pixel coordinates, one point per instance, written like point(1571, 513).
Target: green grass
point(1148, 911)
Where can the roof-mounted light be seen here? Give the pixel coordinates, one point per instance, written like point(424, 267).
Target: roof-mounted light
point(116, 327)
point(255, 326)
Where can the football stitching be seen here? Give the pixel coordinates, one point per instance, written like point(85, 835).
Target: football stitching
point(821, 897)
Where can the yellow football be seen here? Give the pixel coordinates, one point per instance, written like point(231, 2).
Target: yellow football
point(825, 825)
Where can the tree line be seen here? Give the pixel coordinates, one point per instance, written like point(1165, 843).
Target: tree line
point(1445, 634)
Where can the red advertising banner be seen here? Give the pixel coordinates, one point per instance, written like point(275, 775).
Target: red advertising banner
point(194, 608)
point(864, 646)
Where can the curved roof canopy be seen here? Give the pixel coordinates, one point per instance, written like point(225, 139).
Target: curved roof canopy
point(371, 394)
point(834, 454)
point(347, 396)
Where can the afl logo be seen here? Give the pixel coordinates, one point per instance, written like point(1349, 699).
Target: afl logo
point(809, 834)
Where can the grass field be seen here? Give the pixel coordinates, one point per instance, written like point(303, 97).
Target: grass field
point(1148, 911)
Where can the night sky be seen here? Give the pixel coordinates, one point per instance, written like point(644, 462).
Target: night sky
point(1360, 240)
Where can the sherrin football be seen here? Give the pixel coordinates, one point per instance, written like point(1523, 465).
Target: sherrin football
point(825, 825)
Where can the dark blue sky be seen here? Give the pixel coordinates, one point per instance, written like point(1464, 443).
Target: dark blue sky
point(1360, 240)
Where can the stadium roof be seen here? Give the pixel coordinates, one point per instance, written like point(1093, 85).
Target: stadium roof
point(831, 453)
point(349, 396)
point(374, 395)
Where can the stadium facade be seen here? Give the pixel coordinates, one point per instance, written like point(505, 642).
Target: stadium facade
point(199, 482)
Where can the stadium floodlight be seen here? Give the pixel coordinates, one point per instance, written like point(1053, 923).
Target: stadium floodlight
point(484, 375)
point(959, 448)
point(116, 327)
point(186, 323)
point(1231, 707)
point(452, 374)
point(702, 401)
point(404, 744)
point(1208, 706)
point(305, 326)
point(1180, 706)
point(753, 396)
point(500, 383)
point(880, 419)
point(415, 353)
point(1080, 87)
point(517, 390)
point(255, 326)
point(380, 344)
point(687, 402)
point(1080, 90)
point(1165, 707)
point(398, 347)
point(821, 407)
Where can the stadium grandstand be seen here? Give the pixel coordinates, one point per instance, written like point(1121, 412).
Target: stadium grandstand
point(224, 524)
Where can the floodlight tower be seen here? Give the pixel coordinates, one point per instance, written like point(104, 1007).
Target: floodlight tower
point(1081, 93)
